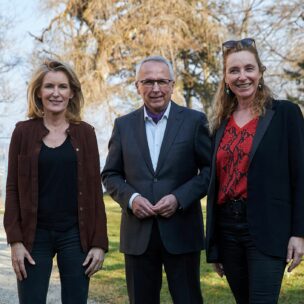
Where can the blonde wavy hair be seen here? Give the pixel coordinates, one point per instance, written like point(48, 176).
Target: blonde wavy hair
point(225, 104)
point(35, 107)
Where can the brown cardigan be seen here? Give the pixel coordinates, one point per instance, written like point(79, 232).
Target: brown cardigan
point(20, 217)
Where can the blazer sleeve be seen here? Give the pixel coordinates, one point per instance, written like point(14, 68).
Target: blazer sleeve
point(196, 188)
point(113, 176)
point(296, 160)
point(12, 217)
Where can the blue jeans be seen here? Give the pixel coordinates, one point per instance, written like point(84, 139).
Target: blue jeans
point(74, 282)
point(254, 277)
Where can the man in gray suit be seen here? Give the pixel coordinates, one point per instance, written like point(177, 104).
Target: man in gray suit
point(157, 170)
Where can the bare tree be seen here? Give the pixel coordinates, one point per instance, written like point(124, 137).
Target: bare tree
point(278, 28)
point(297, 77)
point(105, 39)
point(7, 59)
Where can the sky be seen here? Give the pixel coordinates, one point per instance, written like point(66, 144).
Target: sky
point(27, 18)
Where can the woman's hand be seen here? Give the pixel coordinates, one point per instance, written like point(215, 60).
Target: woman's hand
point(94, 261)
point(219, 269)
point(19, 254)
point(295, 252)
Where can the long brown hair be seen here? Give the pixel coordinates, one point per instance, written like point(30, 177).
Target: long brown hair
point(224, 104)
point(35, 108)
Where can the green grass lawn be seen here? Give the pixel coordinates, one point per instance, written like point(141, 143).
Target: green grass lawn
point(108, 286)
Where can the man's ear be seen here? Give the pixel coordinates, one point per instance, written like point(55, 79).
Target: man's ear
point(137, 87)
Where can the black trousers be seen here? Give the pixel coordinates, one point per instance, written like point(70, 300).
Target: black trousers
point(144, 274)
point(254, 277)
point(74, 282)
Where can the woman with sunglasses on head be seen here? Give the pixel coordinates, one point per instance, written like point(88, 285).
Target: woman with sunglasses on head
point(255, 210)
point(54, 200)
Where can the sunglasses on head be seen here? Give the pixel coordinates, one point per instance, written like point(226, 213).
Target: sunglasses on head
point(231, 44)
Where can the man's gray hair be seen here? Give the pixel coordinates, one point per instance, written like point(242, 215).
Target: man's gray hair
point(157, 59)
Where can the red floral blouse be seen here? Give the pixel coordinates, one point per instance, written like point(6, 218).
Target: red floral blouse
point(232, 160)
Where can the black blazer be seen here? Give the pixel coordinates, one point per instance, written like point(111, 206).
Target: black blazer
point(275, 182)
point(182, 169)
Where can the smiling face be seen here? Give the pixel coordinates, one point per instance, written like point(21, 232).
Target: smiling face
point(55, 92)
point(155, 98)
point(242, 75)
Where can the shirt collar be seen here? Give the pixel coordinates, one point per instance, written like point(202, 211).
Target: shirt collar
point(166, 114)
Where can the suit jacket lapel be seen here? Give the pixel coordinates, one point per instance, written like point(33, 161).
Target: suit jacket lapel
point(218, 136)
point(260, 131)
point(174, 123)
point(141, 137)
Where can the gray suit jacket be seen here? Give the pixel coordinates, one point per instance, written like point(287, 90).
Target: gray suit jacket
point(182, 170)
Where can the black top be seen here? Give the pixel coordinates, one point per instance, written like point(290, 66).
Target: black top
point(57, 174)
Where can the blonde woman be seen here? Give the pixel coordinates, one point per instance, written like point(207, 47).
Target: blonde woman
point(54, 201)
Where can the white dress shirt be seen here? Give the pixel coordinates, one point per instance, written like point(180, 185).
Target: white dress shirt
point(155, 135)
